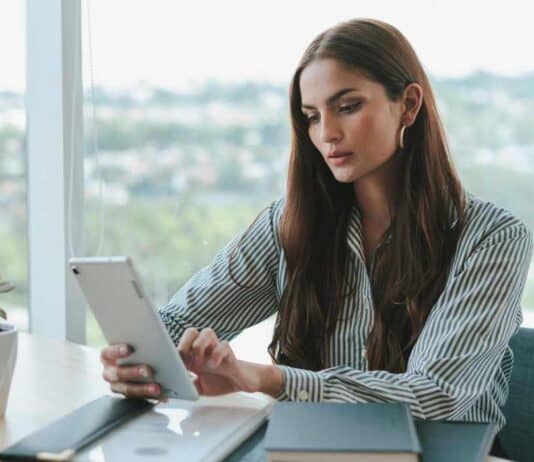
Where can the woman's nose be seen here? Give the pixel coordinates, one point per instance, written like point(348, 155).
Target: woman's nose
point(330, 130)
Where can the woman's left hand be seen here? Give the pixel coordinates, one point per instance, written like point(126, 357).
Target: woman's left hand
point(217, 369)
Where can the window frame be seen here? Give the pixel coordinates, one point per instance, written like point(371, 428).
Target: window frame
point(54, 103)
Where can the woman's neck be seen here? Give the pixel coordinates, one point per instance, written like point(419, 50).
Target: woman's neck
point(373, 201)
point(375, 193)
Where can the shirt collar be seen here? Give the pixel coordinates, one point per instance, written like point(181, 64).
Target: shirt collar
point(354, 232)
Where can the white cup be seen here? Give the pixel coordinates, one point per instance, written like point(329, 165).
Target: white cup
point(8, 356)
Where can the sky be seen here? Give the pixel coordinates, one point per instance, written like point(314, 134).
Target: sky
point(167, 43)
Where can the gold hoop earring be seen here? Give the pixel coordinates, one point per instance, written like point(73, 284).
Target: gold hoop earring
point(401, 137)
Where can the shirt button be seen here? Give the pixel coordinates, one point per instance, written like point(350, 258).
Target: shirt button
point(364, 352)
point(303, 395)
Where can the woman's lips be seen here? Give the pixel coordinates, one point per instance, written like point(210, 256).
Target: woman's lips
point(339, 158)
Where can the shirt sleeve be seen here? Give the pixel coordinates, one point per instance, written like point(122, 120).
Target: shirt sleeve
point(460, 347)
point(211, 298)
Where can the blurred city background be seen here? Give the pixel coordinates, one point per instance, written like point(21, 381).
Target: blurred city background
point(191, 150)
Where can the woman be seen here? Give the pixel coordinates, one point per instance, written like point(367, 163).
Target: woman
point(390, 282)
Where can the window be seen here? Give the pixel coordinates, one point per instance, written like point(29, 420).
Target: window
point(186, 118)
point(187, 159)
point(13, 222)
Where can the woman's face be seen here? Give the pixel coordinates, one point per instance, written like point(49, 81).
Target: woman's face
point(351, 121)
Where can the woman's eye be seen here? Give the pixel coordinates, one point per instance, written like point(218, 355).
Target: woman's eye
point(346, 108)
point(349, 107)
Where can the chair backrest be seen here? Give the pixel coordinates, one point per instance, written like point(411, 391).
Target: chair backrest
point(517, 437)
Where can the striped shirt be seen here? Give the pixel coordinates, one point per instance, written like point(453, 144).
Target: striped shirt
point(458, 369)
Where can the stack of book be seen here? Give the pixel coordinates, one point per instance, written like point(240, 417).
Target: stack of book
point(370, 432)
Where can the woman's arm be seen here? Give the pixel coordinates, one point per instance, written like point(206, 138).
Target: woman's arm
point(212, 299)
point(213, 303)
point(460, 347)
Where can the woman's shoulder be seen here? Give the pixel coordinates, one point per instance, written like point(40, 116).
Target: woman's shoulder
point(486, 220)
point(274, 211)
point(265, 226)
point(277, 206)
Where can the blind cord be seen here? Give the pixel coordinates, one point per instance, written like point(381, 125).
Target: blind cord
point(96, 151)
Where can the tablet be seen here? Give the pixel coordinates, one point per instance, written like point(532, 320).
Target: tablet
point(113, 290)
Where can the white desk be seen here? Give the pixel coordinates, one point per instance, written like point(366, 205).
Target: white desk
point(51, 379)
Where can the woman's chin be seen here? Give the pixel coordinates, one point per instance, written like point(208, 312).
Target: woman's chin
point(345, 176)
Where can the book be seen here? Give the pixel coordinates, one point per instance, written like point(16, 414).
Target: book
point(458, 441)
point(441, 442)
point(341, 432)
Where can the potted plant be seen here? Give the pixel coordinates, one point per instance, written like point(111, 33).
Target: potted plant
point(5, 286)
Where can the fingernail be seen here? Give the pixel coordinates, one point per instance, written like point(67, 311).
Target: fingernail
point(143, 371)
point(123, 350)
point(113, 374)
point(154, 389)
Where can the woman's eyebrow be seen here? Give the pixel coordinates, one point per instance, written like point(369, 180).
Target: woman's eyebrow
point(334, 97)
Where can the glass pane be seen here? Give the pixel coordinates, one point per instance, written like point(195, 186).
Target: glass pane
point(13, 223)
point(185, 166)
point(192, 118)
point(490, 122)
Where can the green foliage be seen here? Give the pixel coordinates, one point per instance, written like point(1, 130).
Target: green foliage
point(172, 231)
point(169, 241)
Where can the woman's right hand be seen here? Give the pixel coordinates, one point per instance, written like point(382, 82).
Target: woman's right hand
point(122, 378)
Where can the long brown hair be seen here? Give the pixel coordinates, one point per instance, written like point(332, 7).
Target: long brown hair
point(411, 270)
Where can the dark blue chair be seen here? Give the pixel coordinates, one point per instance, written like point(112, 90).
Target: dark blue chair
point(517, 437)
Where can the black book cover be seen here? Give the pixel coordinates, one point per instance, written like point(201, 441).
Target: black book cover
point(68, 434)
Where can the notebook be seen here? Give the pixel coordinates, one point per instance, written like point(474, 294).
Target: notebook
point(314, 432)
point(63, 438)
point(206, 430)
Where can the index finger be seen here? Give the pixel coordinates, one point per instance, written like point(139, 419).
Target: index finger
point(188, 337)
point(113, 352)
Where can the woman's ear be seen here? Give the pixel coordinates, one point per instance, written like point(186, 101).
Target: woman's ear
point(412, 101)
